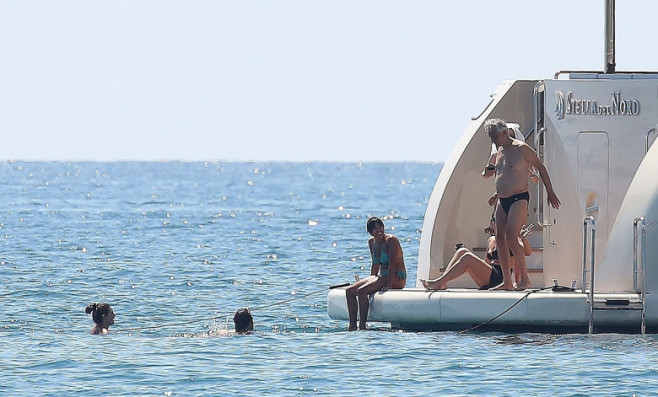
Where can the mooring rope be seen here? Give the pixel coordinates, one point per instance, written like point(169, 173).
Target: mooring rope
point(255, 309)
point(504, 311)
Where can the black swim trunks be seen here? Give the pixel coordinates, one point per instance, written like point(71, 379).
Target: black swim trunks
point(496, 277)
point(506, 202)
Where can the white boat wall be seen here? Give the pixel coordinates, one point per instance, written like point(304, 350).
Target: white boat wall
point(595, 133)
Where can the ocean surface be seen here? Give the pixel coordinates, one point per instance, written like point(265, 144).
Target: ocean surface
point(177, 248)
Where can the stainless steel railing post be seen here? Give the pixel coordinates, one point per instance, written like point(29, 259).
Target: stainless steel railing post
point(643, 327)
point(589, 220)
point(589, 223)
point(636, 223)
point(646, 139)
point(639, 254)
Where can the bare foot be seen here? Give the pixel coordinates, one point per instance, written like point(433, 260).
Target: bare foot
point(523, 285)
point(502, 287)
point(432, 285)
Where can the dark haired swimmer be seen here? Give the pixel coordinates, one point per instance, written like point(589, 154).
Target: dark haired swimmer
point(244, 322)
point(103, 316)
point(387, 271)
point(513, 161)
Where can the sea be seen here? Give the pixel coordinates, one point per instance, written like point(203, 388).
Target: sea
point(177, 247)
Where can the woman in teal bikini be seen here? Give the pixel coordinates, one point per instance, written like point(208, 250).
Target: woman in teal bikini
point(387, 271)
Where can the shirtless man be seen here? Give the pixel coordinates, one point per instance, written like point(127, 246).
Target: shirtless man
point(490, 169)
point(513, 162)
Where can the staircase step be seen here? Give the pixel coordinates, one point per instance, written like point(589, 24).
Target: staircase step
point(617, 304)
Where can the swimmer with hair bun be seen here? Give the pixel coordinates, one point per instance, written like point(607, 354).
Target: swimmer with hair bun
point(103, 316)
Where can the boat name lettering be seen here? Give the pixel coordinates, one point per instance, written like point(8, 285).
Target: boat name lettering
point(567, 105)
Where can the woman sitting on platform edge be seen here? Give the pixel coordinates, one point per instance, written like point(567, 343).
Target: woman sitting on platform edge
point(486, 274)
point(387, 271)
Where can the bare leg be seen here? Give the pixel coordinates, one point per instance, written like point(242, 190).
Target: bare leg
point(364, 303)
point(503, 250)
point(516, 218)
point(456, 257)
point(515, 269)
point(469, 263)
point(458, 254)
point(352, 305)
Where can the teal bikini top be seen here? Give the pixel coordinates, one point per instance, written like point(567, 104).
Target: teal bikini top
point(383, 263)
point(383, 258)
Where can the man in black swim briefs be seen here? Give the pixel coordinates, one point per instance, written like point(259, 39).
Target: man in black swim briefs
point(512, 169)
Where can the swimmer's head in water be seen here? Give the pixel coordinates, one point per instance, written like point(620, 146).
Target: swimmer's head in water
point(243, 320)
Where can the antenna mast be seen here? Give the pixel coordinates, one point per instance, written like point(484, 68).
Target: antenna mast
point(609, 36)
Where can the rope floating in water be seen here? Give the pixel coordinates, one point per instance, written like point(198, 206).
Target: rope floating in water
point(227, 315)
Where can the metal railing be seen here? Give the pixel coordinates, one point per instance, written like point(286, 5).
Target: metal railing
point(639, 254)
point(639, 266)
point(647, 145)
point(589, 224)
point(539, 129)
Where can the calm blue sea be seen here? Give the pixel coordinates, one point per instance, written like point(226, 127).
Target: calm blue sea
point(176, 248)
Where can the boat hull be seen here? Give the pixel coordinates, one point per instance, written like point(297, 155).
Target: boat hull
point(416, 309)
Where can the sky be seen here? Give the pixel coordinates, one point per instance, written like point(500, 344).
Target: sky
point(289, 80)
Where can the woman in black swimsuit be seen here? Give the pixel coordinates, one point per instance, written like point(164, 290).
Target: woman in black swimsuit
point(486, 274)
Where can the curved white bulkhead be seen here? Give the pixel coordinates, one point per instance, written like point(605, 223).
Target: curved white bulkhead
point(594, 132)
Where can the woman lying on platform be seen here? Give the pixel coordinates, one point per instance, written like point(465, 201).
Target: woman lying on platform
point(486, 274)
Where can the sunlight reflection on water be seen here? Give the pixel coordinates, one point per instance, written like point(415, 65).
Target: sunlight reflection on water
point(176, 248)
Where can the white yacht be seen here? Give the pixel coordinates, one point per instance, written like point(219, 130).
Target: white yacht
point(594, 266)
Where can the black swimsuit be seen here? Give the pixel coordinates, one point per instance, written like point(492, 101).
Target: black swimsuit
point(493, 255)
point(496, 277)
point(506, 202)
